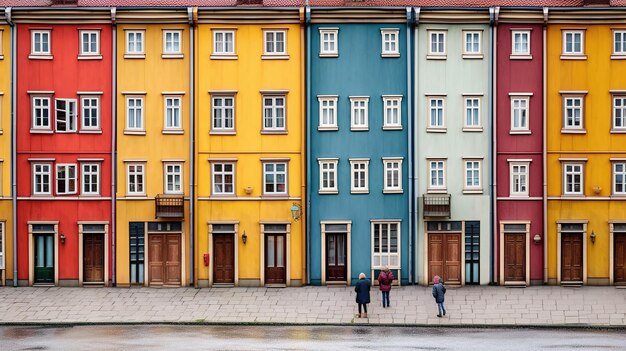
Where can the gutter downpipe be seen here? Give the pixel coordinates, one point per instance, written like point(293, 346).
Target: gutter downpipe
point(190, 12)
point(114, 147)
point(494, 14)
point(307, 14)
point(544, 151)
point(409, 75)
point(303, 159)
point(7, 13)
point(413, 142)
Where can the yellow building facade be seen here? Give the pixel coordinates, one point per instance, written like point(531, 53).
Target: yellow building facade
point(154, 94)
point(586, 147)
point(6, 205)
point(250, 148)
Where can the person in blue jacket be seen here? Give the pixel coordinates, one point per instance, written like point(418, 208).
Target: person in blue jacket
point(439, 291)
point(362, 289)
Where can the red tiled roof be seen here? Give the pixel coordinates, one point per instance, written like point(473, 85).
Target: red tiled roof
point(150, 3)
point(449, 3)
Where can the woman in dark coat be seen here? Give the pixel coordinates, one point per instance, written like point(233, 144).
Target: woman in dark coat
point(385, 279)
point(362, 289)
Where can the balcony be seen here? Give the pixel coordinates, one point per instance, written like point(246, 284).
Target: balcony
point(169, 206)
point(437, 205)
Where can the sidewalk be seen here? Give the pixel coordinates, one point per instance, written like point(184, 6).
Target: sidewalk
point(411, 305)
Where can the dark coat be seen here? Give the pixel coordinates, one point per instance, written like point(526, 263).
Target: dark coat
point(362, 289)
point(385, 279)
point(438, 292)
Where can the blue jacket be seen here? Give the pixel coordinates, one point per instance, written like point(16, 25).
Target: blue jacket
point(438, 292)
point(362, 289)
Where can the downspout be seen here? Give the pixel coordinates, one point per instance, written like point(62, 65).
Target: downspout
point(308, 135)
point(7, 13)
point(493, 164)
point(192, 13)
point(303, 139)
point(414, 131)
point(409, 75)
point(114, 148)
point(544, 195)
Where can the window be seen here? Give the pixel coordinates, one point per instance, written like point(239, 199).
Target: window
point(573, 113)
point(436, 113)
point(172, 112)
point(572, 178)
point(172, 44)
point(173, 178)
point(90, 107)
point(66, 179)
point(619, 112)
point(328, 175)
point(275, 42)
point(436, 44)
point(135, 179)
point(390, 47)
point(91, 179)
point(521, 44)
point(65, 115)
point(40, 43)
point(275, 178)
point(274, 113)
point(519, 114)
point(386, 244)
point(134, 113)
point(573, 43)
point(41, 112)
point(329, 46)
point(518, 175)
point(89, 43)
point(619, 178)
point(619, 42)
point(393, 175)
point(472, 112)
point(2, 240)
point(224, 42)
point(392, 114)
point(42, 174)
point(437, 175)
point(327, 112)
point(134, 43)
point(223, 179)
point(1, 52)
point(472, 175)
point(471, 44)
point(223, 111)
point(359, 112)
point(137, 251)
point(359, 179)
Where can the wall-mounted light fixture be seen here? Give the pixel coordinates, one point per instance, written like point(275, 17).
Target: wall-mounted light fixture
point(244, 237)
point(295, 211)
point(593, 237)
point(62, 237)
point(537, 238)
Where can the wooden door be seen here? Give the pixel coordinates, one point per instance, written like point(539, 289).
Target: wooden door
point(515, 257)
point(44, 258)
point(223, 259)
point(93, 258)
point(444, 257)
point(275, 271)
point(155, 258)
point(571, 257)
point(164, 259)
point(336, 252)
point(173, 259)
point(619, 258)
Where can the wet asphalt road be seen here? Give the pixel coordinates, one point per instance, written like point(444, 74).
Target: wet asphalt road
point(237, 337)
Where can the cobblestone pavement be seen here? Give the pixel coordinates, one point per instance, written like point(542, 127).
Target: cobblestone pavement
point(410, 305)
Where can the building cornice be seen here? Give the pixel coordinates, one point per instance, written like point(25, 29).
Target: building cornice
point(358, 15)
point(60, 15)
point(233, 15)
point(179, 15)
point(454, 16)
point(516, 15)
point(587, 15)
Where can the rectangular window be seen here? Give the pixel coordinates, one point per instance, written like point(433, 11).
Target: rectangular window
point(392, 114)
point(275, 178)
point(521, 43)
point(472, 112)
point(223, 111)
point(471, 45)
point(385, 245)
point(472, 175)
point(519, 113)
point(327, 112)
point(223, 179)
point(390, 47)
point(359, 112)
point(91, 179)
point(172, 112)
point(90, 107)
point(224, 42)
point(135, 179)
point(89, 43)
point(392, 175)
point(42, 174)
point(275, 42)
point(359, 179)
point(41, 112)
point(65, 115)
point(436, 175)
point(619, 112)
point(134, 113)
point(436, 113)
point(66, 179)
point(619, 42)
point(274, 113)
point(329, 42)
point(573, 179)
point(437, 43)
point(518, 175)
point(136, 233)
point(619, 178)
point(172, 42)
point(573, 42)
point(573, 113)
point(328, 175)
point(173, 178)
point(40, 43)
point(134, 43)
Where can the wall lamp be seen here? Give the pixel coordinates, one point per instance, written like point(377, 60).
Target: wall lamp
point(537, 238)
point(244, 237)
point(62, 237)
point(593, 237)
point(295, 211)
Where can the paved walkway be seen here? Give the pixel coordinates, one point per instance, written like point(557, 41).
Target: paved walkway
point(410, 305)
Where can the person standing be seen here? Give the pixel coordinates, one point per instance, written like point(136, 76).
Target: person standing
point(385, 278)
point(438, 293)
point(362, 289)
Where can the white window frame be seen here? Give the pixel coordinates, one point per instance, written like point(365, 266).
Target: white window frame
point(390, 42)
point(440, 51)
point(1, 40)
point(138, 40)
point(87, 171)
point(619, 108)
point(519, 178)
point(138, 115)
point(359, 168)
point(327, 103)
point(2, 236)
point(520, 105)
point(359, 109)
point(378, 258)
point(573, 173)
point(222, 128)
point(573, 109)
point(392, 167)
point(92, 34)
point(223, 173)
point(176, 50)
point(68, 190)
point(471, 108)
point(622, 174)
point(472, 188)
point(87, 109)
point(136, 177)
point(40, 107)
point(270, 47)
point(172, 113)
point(521, 52)
point(41, 51)
point(332, 40)
point(274, 173)
point(436, 187)
point(472, 53)
point(434, 109)
point(173, 171)
point(271, 113)
point(328, 169)
point(71, 115)
point(42, 178)
point(392, 103)
point(573, 52)
point(619, 45)
point(221, 47)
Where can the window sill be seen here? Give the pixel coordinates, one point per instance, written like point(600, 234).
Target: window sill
point(90, 196)
point(224, 57)
point(222, 132)
point(520, 132)
point(136, 197)
point(134, 56)
point(618, 131)
point(518, 196)
point(327, 129)
point(274, 132)
point(222, 196)
point(65, 131)
point(618, 57)
point(436, 130)
point(392, 191)
point(329, 54)
point(274, 57)
point(172, 56)
point(82, 131)
point(359, 129)
point(573, 57)
point(473, 129)
point(134, 132)
point(436, 57)
point(392, 127)
point(618, 197)
point(90, 57)
point(473, 56)
point(173, 131)
point(275, 197)
point(41, 131)
point(40, 57)
point(520, 57)
point(472, 191)
point(573, 131)
point(573, 196)
point(358, 192)
point(437, 191)
point(390, 54)
point(328, 192)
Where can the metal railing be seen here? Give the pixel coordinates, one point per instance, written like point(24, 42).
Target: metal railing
point(169, 206)
point(437, 205)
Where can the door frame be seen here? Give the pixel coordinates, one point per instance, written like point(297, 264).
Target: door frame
point(31, 251)
point(612, 250)
point(584, 222)
point(81, 253)
point(461, 253)
point(212, 249)
point(287, 251)
point(348, 251)
point(527, 249)
point(146, 265)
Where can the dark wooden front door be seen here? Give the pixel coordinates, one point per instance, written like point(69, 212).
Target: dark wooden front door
point(44, 258)
point(515, 257)
point(275, 271)
point(93, 258)
point(336, 252)
point(444, 257)
point(164, 259)
point(620, 259)
point(571, 257)
point(223, 259)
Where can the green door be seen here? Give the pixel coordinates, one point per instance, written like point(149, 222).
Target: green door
point(44, 258)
